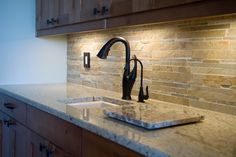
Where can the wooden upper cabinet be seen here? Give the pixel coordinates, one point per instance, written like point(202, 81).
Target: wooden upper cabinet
point(46, 10)
point(100, 9)
point(97, 9)
point(71, 16)
point(53, 13)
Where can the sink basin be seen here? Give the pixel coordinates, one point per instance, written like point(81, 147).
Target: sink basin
point(93, 104)
point(145, 115)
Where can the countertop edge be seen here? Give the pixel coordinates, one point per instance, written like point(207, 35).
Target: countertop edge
point(119, 139)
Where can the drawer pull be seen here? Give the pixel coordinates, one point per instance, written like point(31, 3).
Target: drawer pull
point(52, 21)
point(50, 150)
point(49, 22)
point(55, 21)
point(9, 106)
point(8, 123)
point(96, 11)
point(41, 147)
point(104, 10)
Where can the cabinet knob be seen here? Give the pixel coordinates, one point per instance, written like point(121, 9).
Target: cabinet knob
point(9, 106)
point(52, 21)
point(104, 10)
point(49, 22)
point(55, 21)
point(96, 11)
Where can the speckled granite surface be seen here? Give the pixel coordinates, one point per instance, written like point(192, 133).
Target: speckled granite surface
point(215, 136)
point(151, 117)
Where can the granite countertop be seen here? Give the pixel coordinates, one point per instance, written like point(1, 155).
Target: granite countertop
point(215, 136)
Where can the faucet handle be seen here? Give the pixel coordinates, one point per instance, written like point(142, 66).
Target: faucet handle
point(147, 95)
point(141, 96)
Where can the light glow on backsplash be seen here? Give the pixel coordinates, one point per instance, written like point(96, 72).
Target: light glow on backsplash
point(190, 62)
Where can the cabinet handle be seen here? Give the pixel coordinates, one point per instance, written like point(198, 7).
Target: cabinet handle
point(9, 106)
point(52, 21)
point(50, 150)
point(8, 123)
point(96, 11)
point(49, 22)
point(55, 21)
point(41, 147)
point(104, 10)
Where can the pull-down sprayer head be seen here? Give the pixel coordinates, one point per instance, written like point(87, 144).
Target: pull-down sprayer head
point(103, 53)
point(128, 77)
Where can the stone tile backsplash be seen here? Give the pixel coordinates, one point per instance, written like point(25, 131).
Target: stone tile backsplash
point(190, 62)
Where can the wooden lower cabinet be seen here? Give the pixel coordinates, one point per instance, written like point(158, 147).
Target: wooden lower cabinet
point(63, 134)
point(44, 135)
point(37, 146)
point(19, 141)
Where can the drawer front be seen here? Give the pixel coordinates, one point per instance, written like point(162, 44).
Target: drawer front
point(58, 131)
point(13, 108)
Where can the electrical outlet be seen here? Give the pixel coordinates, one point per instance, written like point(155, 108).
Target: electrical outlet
point(86, 59)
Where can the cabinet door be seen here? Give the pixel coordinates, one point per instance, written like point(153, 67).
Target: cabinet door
point(37, 146)
point(6, 151)
point(53, 13)
point(68, 12)
point(15, 139)
point(46, 10)
point(40, 147)
point(54, 151)
point(118, 7)
point(99, 9)
point(94, 145)
point(90, 9)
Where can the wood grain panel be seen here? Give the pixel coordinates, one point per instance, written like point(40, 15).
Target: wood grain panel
point(204, 8)
point(94, 145)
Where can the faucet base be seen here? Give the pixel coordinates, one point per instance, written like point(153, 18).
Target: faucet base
point(126, 97)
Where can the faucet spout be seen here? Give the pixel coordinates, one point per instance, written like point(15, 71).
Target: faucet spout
point(128, 77)
point(103, 53)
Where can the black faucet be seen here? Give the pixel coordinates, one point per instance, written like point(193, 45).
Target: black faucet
point(128, 77)
point(141, 96)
